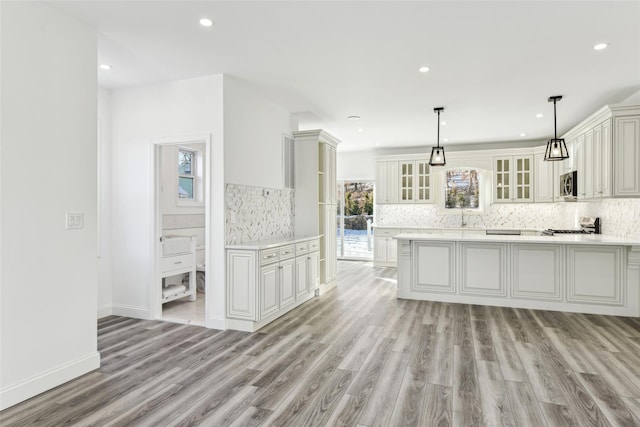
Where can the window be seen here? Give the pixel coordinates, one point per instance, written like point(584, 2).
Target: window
point(463, 189)
point(186, 174)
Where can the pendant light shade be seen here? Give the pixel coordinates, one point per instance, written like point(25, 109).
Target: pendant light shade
point(437, 153)
point(556, 147)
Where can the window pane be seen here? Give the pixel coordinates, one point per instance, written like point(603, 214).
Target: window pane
point(185, 159)
point(185, 188)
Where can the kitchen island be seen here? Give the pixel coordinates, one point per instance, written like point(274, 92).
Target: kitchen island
point(576, 273)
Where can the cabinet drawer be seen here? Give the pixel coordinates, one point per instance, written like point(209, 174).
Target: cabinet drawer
point(287, 252)
point(386, 231)
point(314, 245)
point(302, 248)
point(269, 256)
point(178, 262)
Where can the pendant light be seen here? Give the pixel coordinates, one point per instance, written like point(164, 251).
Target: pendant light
point(437, 153)
point(556, 147)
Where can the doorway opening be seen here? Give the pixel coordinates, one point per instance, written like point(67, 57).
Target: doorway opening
point(181, 230)
point(355, 220)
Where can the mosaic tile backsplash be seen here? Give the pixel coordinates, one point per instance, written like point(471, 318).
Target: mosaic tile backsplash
point(252, 216)
point(620, 217)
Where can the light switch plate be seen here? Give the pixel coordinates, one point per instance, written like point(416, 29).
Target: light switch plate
point(75, 220)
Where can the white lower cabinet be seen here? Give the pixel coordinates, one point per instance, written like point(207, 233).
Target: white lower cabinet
point(595, 274)
point(585, 278)
point(385, 247)
point(262, 285)
point(434, 267)
point(537, 271)
point(269, 290)
point(483, 269)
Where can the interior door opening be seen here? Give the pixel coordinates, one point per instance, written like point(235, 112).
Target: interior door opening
point(355, 220)
point(181, 205)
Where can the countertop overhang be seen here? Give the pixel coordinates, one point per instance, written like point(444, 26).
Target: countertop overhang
point(577, 239)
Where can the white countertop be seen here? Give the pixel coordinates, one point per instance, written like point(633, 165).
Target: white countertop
point(579, 239)
point(271, 243)
point(417, 227)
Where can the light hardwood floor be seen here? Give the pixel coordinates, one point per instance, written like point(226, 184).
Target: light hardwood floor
point(357, 356)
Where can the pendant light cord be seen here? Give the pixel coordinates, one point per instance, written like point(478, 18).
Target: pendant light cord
point(438, 128)
point(555, 125)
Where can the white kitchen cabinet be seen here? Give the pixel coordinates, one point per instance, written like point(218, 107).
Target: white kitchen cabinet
point(269, 286)
point(513, 180)
point(385, 247)
point(483, 269)
point(537, 271)
point(263, 284)
point(602, 159)
point(415, 181)
point(546, 183)
point(434, 267)
point(595, 274)
point(626, 151)
point(316, 197)
point(387, 185)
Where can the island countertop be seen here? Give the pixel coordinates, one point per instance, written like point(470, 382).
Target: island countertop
point(271, 243)
point(573, 239)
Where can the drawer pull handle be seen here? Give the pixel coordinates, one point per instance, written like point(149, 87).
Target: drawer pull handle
point(178, 262)
point(270, 256)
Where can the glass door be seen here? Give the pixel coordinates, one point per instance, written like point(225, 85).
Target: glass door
point(355, 220)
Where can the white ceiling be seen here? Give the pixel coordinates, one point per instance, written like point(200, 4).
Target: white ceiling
point(493, 64)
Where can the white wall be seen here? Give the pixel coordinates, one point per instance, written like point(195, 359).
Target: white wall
point(48, 167)
point(104, 203)
point(253, 128)
point(356, 166)
point(141, 115)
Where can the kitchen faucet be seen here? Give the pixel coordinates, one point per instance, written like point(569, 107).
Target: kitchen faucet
point(462, 223)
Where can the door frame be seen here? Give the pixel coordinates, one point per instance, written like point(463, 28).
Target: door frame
point(155, 291)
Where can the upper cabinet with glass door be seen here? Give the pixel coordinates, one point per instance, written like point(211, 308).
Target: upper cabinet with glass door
point(513, 179)
point(415, 181)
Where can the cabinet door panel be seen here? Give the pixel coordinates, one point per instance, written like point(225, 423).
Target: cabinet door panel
point(313, 267)
point(269, 290)
point(594, 274)
point(287, 279)
point(627, 156)
point(483, 269)
point(422, 181)
point(406, 181)
point(434, 267)
point(392, 249)
point(302, 276)
point(537, 271)
point(241, 288)
point(606, 158)
point(588, 165)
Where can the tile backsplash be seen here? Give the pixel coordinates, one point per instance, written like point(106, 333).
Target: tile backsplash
point(250, 215)
point(619, 216)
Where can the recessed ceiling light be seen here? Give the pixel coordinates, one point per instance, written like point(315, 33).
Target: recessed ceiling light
point(353, 117)
point(539, 115)
point(206, 22)
point(360, 130)
point(378, 144)
point(424, 69)
point(523, 134)
point(446, 140)
point(443, 123)
point(105, 66)
point(600, 46)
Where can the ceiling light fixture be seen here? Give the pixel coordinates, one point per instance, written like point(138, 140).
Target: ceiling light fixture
point(539, 115)
point(353, 117)
point(437, 153)
point(556, 147)
point(105, 67)
point(600, 46)
point(206, 22)
point(424, 69)
point(523, 134)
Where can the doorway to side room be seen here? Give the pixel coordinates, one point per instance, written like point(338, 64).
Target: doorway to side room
point(181, 226)
point(355, 220)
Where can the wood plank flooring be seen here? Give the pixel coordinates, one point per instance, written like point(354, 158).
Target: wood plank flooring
point(358, 356)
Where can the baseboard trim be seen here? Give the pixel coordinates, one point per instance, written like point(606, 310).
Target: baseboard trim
point(217, 322)
point(130, 311)
point(105, 310)
point(40, 383)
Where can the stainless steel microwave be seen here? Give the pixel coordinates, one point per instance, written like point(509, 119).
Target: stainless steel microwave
point(569, 186)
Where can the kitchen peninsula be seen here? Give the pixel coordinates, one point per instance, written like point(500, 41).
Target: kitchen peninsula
point(577, 273)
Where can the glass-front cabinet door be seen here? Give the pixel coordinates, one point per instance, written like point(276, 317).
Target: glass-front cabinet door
point(502, 173)
point(524, 191)
point(423, 181)
point(406, 181)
